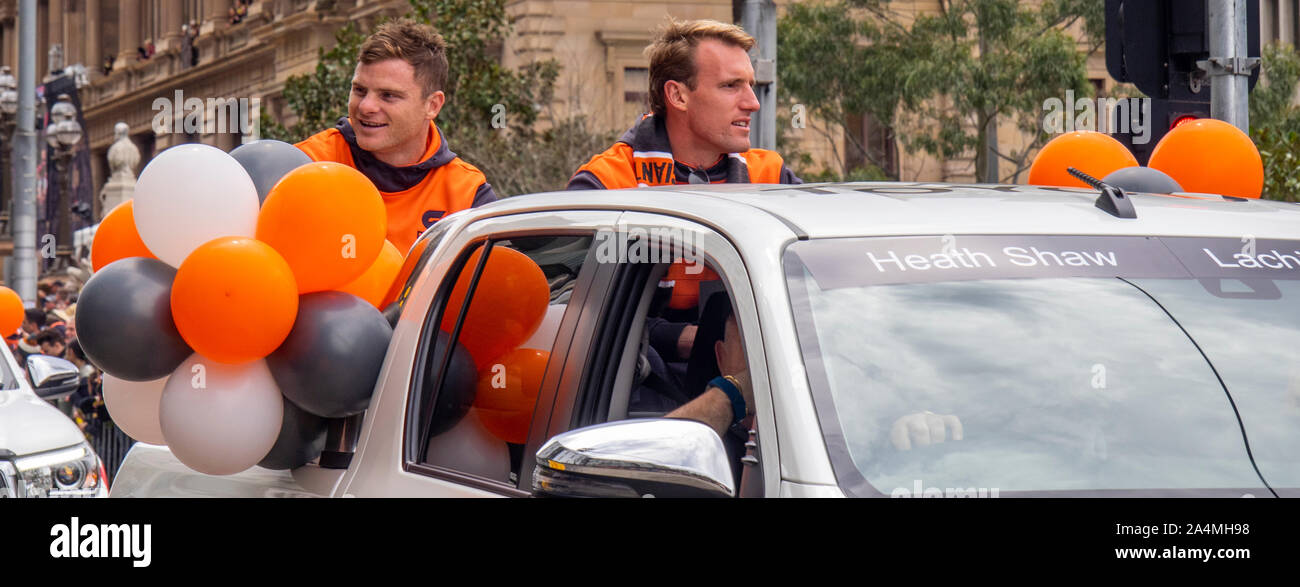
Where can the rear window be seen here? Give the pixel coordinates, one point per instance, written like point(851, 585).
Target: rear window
point(1003, 365)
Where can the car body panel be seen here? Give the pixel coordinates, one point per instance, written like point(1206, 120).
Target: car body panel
point(30, 425)
point(746, 229)
point(156, 472)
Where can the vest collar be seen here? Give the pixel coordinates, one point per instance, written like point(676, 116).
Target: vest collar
point(390, 178)
point(652, 155)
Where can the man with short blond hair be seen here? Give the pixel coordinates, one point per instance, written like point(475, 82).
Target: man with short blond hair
point(390, 136)
point(701, 102)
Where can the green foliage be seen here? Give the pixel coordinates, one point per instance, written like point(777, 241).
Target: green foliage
point(1275, 122)
point(869, 173)
point(491, 110)
point(938, 78)
point(320, 98)
point(476, 82)
point(524, 160)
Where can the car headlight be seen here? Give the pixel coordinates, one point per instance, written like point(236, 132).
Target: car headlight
point(68, 472)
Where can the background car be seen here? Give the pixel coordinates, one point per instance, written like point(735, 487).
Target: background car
point(42, 452)
point(902, 340)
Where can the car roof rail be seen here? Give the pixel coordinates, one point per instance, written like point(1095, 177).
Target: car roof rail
point(1112, 200)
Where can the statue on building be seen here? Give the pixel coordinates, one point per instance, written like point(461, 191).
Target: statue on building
point(123, 157)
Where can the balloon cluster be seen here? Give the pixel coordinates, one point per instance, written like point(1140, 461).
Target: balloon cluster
point(503, 346)
point(1204, 156)
point(235, 304)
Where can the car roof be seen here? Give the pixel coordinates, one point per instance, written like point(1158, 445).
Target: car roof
point(829, 210)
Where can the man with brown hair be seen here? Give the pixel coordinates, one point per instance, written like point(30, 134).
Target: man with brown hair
point(701, 101)
point(390, 135)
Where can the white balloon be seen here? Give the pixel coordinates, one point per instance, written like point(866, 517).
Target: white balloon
point(189, 195)
point(133, 405)
point(544, 337)
point(220, 419)
point(470, 448)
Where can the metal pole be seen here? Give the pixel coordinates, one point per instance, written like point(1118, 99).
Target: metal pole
point(25, 155)
point(1229, 65)
point(759, 20)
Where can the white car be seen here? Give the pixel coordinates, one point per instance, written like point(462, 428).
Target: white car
point(42, 452)
point(903, 339)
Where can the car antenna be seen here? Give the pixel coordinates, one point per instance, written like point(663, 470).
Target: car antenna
point(1112, 200)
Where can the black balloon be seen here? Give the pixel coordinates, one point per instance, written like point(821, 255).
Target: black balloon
point(302, 437)
point(330, 361)
point(266, 161)
point(392, 313)
point(459, 386)
point(124, 320)
point(1143, 179)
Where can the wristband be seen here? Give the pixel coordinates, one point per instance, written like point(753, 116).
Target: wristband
point(733, 394)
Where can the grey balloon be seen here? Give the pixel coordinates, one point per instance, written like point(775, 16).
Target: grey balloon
point(266, 161)
point(330, 361)
point(302, 438)
point(124, 320)
point(1143, 179)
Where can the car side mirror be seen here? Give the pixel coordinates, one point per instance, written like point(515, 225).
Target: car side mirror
point(659, 457)
point(53, 378)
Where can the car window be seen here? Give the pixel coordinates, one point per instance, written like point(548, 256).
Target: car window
point(1048, 364)
point(662, 340)
point(477, 402)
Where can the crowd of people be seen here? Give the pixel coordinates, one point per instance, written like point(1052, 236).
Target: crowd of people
point(50, 329)
point(238, 11)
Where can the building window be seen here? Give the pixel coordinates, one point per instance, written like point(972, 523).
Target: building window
point(636, 89)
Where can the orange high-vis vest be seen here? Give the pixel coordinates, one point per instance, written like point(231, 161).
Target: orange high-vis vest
point(415, 196)
point(642, 157)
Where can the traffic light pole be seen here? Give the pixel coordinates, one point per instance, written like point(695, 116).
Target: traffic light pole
point(759, 20)
point(1229, 65)
point(24, 146)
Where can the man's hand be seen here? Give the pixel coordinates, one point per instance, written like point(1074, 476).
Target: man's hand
point(746, 388)
point(924, 429)
point(686, 340)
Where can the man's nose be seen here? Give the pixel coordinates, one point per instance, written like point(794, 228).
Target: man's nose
point(749, 101)
point(369, 103)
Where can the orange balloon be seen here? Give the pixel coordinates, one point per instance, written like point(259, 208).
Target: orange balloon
point(404, 274)
point(373, 285)
point(1096, 154)
point(327, 220)
point(508, 304)
point(116, 238)
point(1211, 156)
point(507, 393)
point(12, 312)
point(234, 299)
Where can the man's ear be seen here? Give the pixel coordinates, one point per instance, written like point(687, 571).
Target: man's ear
point(675, 96)
point(434, 104)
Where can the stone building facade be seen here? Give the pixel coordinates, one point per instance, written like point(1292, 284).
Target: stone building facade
point(599, 43)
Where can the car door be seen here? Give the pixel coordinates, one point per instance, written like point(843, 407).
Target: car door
point(447, 423)
point(604, 355)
